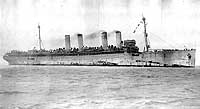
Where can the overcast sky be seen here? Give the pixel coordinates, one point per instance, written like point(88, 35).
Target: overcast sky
point(171, 23)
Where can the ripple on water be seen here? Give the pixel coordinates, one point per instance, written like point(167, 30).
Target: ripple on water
point(43, 87)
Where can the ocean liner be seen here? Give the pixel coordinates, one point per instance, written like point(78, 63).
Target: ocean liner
point(125, 53)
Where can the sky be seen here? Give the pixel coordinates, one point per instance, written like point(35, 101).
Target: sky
point(171, 23)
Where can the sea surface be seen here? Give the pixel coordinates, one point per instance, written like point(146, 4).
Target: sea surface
point(79, 87)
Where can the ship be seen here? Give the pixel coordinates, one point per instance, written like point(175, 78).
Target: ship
point(125, 53)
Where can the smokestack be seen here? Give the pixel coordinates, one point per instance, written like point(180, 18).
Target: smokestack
point(80, 41)
point(118, 39)
point(67, 43)
point(104, 40)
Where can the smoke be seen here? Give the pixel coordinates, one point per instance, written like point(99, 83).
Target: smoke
point(93, 35)
point(110, 34)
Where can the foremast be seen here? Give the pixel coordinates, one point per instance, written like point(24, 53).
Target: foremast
point(147, 46)
point(40, 40)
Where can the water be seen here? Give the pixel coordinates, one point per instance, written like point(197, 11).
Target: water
point(53, 87)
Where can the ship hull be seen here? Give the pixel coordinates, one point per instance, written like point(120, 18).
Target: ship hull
point(166, 58)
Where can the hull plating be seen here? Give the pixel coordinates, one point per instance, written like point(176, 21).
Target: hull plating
point(178, 58)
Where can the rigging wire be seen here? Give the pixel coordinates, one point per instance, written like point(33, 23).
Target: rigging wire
point(169, 44)
point(157, 37)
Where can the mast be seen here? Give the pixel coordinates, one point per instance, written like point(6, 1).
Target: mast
point(40, 41)
point(147, 46)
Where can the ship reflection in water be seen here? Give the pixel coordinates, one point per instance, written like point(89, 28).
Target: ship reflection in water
point(61, 87)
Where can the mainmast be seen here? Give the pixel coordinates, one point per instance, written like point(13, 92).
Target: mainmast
point(40, 41)
point(147, 46)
